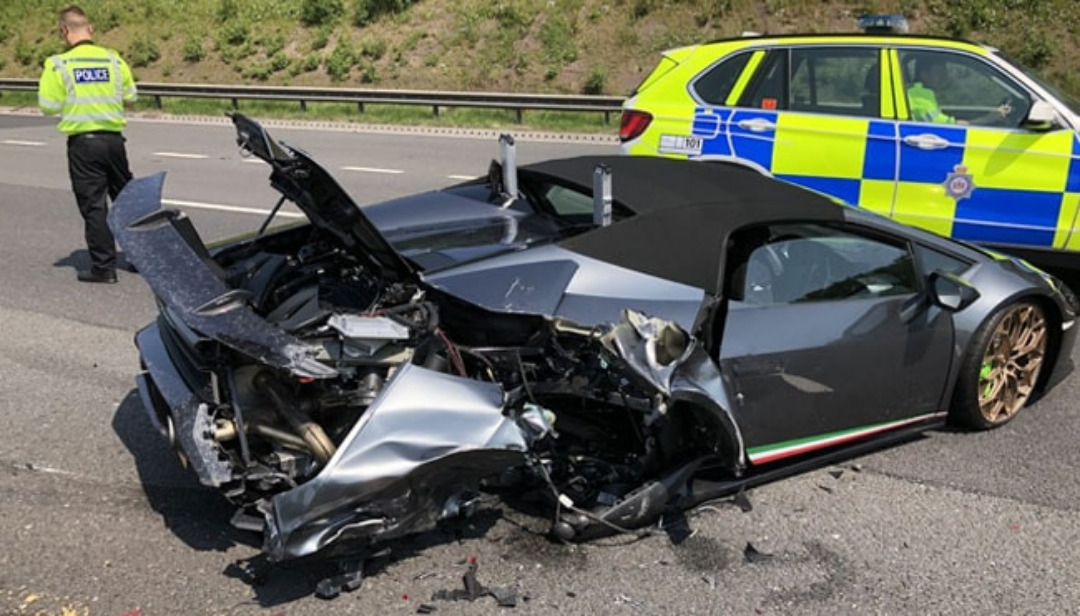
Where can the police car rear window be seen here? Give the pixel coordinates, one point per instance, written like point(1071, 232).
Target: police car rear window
point(714, 85)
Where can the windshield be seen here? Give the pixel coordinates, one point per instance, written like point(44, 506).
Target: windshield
point(1067, 100)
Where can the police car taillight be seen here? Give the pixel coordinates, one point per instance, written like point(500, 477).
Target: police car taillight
point(633, 123)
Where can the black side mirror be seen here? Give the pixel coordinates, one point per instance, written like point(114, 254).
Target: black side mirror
point(951, 292)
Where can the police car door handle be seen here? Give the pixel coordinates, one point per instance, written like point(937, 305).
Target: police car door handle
point(757, 125)
point(926, 142)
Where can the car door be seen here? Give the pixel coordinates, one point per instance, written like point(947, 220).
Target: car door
point(974, 172)
point(828, 338)
point(812, 115)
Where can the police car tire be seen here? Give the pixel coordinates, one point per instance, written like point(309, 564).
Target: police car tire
point(966, 410)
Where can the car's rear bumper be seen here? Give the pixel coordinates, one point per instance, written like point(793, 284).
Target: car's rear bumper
point(177, 410)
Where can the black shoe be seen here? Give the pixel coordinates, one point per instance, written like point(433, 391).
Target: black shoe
point(106, 276)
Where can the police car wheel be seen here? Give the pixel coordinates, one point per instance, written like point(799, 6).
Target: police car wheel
point(1002, 367)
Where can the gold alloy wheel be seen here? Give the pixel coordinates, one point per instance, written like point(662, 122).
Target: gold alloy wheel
point(1012, 363)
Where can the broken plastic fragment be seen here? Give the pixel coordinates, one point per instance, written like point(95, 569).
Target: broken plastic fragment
point(743, 502)
point(752, 555)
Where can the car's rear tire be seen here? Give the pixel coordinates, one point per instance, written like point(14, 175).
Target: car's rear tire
point(1002, 367)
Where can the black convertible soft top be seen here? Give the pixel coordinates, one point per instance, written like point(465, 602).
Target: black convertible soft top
point(683, 212)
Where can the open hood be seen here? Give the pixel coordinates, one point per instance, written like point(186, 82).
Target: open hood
point(311, 187)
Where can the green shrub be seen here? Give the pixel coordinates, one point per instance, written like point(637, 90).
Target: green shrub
point(311, 62)
point(369, 74)
point(278, 62)
point(322, 38)
point(373, 47)
point(596, 81)
point(557, 38)
point(107, 19)
point(1034, 50)
point(273, 44)
point(367, 11)
point(227, 11)
point(5, 32)
point(340, 61)
point(193, 49)
point(233, 33)
point(24, 52)
point(142, 52)
point(320, 12)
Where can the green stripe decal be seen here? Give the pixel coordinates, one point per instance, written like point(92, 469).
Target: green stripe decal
point(776, 451)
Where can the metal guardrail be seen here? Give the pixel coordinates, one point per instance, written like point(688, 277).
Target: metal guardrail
point(518, 103)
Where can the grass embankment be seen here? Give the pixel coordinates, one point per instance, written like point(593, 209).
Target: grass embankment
point(534, 46)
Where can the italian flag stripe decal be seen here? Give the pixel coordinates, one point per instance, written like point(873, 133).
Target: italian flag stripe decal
point(779, 451)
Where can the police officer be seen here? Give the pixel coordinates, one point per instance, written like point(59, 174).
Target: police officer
point(88, 86)
point(932, 77)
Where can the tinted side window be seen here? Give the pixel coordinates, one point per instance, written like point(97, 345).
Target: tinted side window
point(792, 263)
point(836, 80)
point(768, 89)
point(953, 88)
point(715, 84)
point(931, 261)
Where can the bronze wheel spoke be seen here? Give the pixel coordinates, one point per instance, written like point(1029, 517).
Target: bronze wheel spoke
point(1012, 363)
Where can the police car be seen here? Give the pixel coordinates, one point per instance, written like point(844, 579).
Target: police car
point(938, 133)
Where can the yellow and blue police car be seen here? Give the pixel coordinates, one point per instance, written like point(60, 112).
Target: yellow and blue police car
point(943, 134)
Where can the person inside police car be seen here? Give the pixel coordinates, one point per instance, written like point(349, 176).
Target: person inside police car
point(931, 77)
point(88, 86)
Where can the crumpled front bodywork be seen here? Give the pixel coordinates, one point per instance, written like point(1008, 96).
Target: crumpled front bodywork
point(417, 455)
point(343, 400)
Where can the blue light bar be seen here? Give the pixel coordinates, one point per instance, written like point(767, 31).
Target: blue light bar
point(883, 24)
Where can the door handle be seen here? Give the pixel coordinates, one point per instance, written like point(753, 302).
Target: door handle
point(757, 125)
point(926, 142)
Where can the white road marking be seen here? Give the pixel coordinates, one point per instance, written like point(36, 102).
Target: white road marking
point(228, 208)
point(462, 177)
point(374, 170)
point(257, 161)
point(20, 142)
point(180, 155)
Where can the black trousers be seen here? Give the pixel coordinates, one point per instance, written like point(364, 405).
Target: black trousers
point(98, 166)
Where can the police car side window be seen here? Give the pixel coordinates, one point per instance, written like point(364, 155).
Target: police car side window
point(715, 84)
point(768, 88)
point(836, 80)
point(954, 88)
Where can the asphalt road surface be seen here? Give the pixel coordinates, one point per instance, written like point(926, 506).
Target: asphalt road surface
point(97, 517)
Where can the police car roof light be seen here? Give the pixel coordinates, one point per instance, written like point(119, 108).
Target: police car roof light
point(883, 24)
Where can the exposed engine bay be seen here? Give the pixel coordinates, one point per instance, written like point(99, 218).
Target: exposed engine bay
point(591, 426)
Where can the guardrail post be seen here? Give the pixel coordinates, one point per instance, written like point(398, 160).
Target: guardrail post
point(607, 117)
point(520, 115)
point(303, 105)
point(157, 101)
point(435, 110)
point(235, 103)
point(360, 106)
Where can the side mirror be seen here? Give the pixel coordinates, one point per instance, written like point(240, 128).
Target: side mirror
point(951, 292)
point(1041, 116)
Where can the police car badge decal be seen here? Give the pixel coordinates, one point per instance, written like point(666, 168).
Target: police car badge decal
point(959, 183)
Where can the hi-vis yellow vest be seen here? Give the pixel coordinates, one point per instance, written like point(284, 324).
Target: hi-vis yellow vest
point(87, 85)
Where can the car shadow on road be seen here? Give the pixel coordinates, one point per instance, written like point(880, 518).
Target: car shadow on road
point(277, 584)
point(197, 515)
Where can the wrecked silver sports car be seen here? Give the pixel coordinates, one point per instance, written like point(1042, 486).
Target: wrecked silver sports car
point(616, 336)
